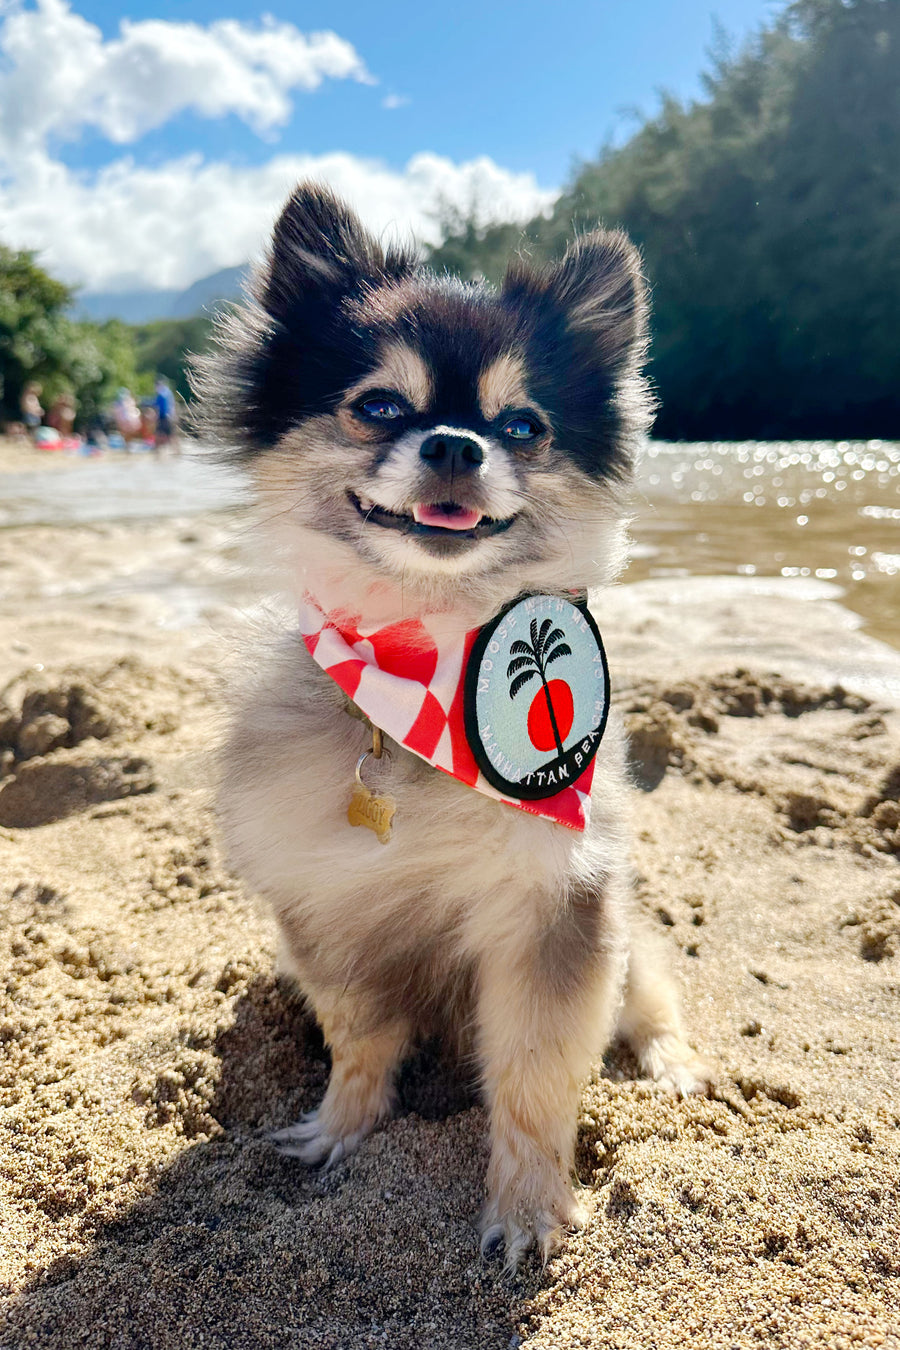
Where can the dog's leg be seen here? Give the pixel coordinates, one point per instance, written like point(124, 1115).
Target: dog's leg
point(650, 1023)
point(546, 1007)
point(360, 1091)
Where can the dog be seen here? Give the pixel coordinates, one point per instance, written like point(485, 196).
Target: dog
point(442, 469)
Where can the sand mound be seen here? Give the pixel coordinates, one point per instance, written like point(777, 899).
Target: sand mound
point(43, 710)
point(147, 1049)
point(44, 716)
point(826, 764)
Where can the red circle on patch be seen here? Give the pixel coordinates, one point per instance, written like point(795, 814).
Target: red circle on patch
point(540, 728)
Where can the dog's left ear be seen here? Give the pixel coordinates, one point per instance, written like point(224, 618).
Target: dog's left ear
point(598, 289)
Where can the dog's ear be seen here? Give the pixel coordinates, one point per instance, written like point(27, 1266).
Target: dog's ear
point(599, 291)
point(320, 248)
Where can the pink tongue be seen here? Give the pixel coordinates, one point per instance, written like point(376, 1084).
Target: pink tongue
point(447, 517)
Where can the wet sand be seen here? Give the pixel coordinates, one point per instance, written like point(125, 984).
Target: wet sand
point(146, 1047)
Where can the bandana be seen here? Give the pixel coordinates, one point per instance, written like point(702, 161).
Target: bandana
point(515, 709)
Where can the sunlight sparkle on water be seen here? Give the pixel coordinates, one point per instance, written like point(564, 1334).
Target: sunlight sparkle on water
point(829, 509)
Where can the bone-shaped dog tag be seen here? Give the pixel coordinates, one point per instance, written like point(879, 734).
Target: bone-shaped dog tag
point(372, 809)
point(376, 813)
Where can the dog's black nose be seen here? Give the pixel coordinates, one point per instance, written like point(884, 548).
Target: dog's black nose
point(451, 454)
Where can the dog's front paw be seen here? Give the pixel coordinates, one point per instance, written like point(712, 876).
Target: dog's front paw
point(672, 1064)
point(310, 1140)
point(519, 1226)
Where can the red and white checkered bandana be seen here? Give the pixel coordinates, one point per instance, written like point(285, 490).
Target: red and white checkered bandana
point(409, 679)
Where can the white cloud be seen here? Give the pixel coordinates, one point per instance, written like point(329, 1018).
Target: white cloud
point(58, 75)
point(136, 226)
point(131, 225)
point(391, 101)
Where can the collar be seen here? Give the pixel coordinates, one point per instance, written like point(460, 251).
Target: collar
point(515, 709)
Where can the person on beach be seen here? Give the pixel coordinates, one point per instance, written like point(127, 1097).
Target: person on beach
point(148, 420)
point(127, 415)
point(30, 404)
point(164, 402)
point(62, 414)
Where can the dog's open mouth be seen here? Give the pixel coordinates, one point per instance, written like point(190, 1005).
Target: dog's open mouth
point(432, 520)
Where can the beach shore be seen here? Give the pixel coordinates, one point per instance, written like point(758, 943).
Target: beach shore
point(146, 1047)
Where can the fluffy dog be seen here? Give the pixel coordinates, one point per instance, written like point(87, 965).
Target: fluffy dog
point(426, 452)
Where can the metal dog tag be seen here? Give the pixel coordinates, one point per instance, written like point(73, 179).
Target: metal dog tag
point(373, 810)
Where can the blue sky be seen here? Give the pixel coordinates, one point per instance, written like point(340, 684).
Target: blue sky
point(148, 142)
point(532, 84)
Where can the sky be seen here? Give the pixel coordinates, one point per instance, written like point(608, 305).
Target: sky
point(145, 146)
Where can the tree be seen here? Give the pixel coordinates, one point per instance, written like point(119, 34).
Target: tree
point(533, 658)
point(39, 342)
point(769, 218)
point(163, 348)
point(32, 306)
point(473, 248)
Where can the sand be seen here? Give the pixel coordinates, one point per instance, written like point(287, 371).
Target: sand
point(146, 1047)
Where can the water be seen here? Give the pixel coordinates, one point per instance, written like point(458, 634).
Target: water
point(797, 509)
point(827, 509)
point(118, 487)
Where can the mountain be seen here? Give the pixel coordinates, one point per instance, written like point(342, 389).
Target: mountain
point(145, 306)
point(130, 306)
point(208, 293)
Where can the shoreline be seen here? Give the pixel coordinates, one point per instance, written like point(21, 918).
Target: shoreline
point(698, 525)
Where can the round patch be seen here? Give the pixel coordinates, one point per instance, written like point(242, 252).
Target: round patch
point(536, 696)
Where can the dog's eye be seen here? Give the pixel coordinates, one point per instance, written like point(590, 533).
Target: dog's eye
point(380, 409)
point(521, 429)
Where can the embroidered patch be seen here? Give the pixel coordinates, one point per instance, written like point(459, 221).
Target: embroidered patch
point(536, 696)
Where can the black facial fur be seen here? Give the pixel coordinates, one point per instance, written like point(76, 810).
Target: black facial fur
point(330, 297)
point(586, 318)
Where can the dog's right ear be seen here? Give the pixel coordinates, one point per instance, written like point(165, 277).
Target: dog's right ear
point(321, 249)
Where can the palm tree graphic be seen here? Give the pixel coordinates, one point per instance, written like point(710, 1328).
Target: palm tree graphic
point(533, 658)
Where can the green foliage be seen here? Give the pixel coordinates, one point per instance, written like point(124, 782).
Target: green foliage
point(163, 347)
point(39, 342)
point(769, 218)
point(472, 249)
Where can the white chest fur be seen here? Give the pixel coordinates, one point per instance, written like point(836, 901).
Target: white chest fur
point(288, 777)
